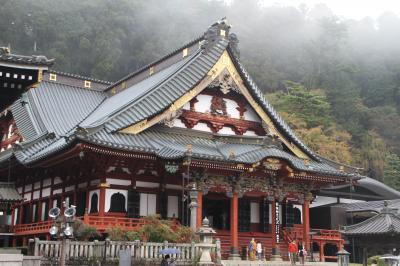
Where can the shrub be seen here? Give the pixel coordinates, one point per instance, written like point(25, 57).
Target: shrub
point(84, 232)
point(377, 259)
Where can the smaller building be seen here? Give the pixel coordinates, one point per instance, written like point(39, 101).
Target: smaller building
point(8, 197)
point(377, 235)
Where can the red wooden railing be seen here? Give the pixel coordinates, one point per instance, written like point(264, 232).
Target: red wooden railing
point(100, 223)
point(32, 228)
point(107, 222)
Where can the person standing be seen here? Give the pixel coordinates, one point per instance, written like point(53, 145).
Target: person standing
point(252, 249)
point(292, 252)
point(259, 251)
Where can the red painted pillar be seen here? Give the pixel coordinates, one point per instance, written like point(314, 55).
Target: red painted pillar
point(306, 224)
point(102, 199)
point(199, 214)
point(234, 227)
point(321, 251)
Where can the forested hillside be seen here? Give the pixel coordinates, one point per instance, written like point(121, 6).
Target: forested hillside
point(336, 81)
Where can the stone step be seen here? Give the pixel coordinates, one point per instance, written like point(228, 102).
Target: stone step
point(271, 263)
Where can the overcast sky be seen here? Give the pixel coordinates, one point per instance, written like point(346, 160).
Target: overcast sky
point(355, 9)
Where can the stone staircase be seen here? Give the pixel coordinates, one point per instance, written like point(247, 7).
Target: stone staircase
point(244, 240)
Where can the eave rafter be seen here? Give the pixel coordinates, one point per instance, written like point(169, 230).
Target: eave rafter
point(224, 62)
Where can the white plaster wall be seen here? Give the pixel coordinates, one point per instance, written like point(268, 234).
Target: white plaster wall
point(36, 194)
point(97, 191)
point(46, 192)
point(28, 187)
point(57, 191)
point(226, 131)
point(186, 106)
point(19, 189)
point(46, 182)
point(202, 127)
point(231, 108)
point(110, 192)
point(203, 104)
point(57, 180)
point(94, 182)
point(121, 182)
point(171, 186)
point(178, 123)
point(251, 115)
point(70, 188)
point(173, 207)
point(254, 212)
point(36, 185)
point(82, 185)
point(27, 196)
point(250, 133)
point(147, 184)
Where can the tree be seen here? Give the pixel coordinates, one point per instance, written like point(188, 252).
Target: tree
point(392, 171)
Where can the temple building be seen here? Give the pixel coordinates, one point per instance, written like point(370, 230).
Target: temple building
point(186, 137)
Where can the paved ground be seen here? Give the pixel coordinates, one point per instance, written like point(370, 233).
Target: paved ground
point(272, 263)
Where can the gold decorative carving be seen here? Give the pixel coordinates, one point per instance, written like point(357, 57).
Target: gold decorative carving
point(87, 84)
point(273, 164)
point(53, 77)
point(185, 52)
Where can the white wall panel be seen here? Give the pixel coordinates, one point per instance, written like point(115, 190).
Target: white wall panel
point(254, 212)
point(173, 209)
point(121, 182)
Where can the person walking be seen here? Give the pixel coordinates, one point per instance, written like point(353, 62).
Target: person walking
point(302, 253)
point(259, 251)
point(292, 252)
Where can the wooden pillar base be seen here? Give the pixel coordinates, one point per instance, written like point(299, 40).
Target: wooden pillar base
point(234, 254)
point(276, 255)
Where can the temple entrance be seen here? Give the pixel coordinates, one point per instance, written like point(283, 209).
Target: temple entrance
point(217, 210)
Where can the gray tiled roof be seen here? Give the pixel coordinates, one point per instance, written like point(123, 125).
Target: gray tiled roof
point(387, 222)
point(374, 206)
point(8, 192)
point(53, 108)
point(37, 60)
point(157, 93)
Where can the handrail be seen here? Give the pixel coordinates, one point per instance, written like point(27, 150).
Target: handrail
point(101, 223)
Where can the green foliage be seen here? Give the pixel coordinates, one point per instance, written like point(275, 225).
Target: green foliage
point(119, 234)
point(310, 106)
point(154, 230)
point(84, 232)
point(376, 259)
point(308, 113)
point(392, 171)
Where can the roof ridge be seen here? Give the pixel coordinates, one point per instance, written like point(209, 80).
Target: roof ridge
point(155, 62)
point(72, 75)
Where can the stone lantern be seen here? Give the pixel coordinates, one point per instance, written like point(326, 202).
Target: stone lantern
point(205, 233)
point(343, 257)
